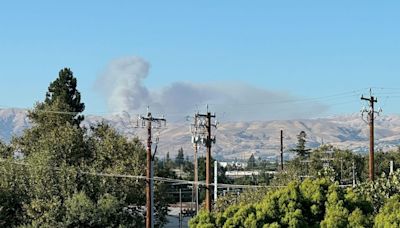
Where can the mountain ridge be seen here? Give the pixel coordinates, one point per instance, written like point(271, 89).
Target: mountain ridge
point(238, 140)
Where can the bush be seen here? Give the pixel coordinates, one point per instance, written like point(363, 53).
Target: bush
point(311, 203)
point(389, 215)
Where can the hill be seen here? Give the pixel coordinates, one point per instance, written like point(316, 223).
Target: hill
point(238, 140)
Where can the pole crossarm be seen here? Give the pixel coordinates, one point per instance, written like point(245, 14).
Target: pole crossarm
point(147, 122)
point(202, 134)
point(370, 121)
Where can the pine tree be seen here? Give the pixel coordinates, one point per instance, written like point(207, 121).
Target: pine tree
point(180, 157)
point(251, 163)
point(62, 103)
point(300, 149)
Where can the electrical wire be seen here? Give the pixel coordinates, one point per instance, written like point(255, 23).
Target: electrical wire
point(327, 97)
point(178, 114)
point(137, 177)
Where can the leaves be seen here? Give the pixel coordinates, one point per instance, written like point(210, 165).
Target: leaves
point(311, 203)
point(54, 182)
point(389, 215)
point(381, 189)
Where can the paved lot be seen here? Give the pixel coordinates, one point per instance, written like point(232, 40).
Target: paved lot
point(173, 218)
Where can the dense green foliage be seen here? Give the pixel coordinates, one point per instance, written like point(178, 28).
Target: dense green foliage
point(62, 96)
point(310, 203)
point(318, 203)
point(300, 148)
point(251, 163)
point(57, 178)
point(382, 161)
point(180, 158)
point(389, 215)
point(381, 189)
point(326, 161)
point(61, 174)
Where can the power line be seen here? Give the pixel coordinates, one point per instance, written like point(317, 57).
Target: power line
point(141, 177)
point(294, 100)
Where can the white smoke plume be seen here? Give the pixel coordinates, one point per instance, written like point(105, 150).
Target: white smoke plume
point(122, 86)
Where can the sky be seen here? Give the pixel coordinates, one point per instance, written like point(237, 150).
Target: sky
point(249, 60)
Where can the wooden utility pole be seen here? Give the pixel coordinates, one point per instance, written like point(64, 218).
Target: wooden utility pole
point(203, 127)
point(208, 162)
point(354, 174)
point(370, 120)
point(147, 122)
point(149, 215)
point(180, 212)
point(215, 181)
point(196, 178)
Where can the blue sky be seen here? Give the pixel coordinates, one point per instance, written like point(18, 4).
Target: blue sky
point(304, 49)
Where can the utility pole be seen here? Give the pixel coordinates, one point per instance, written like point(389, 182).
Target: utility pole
point(354, 174)
point(147, 122)
point(370, 120)
point(195, 141)
point(196, 178)
point(208, 161)
point(215, 181)
point(341, 170)
point(281, 150)
point(152, 180)
point(203, 128)
point(180, 203)
point(391, 167)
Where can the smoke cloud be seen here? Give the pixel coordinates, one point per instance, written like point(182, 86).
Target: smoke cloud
point(122, 86)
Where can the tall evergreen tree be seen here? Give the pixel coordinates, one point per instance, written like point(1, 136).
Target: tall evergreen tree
point(251, 163)
point(59, 112)
point(62, 103)
point(180, 157)
point(52, 191)
point(301, 149)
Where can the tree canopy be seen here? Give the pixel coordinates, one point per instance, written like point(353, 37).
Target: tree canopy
point(301, 149)
point(57, 182)
point(312, 203)
point(62, 102)
point(251, 163)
